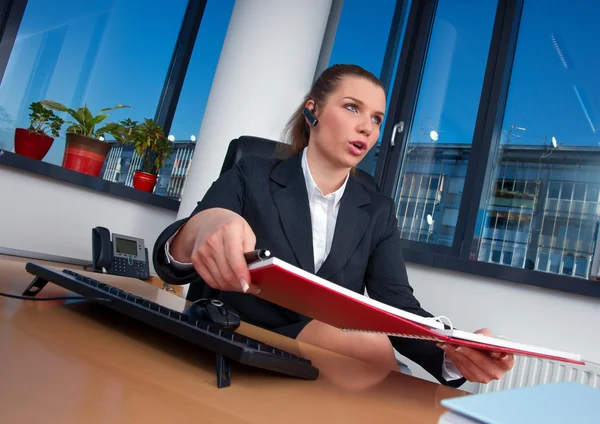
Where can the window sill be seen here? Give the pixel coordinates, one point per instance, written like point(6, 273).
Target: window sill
point(545, 280)
point(59, 173)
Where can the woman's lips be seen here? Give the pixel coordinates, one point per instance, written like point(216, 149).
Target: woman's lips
point(357, 147)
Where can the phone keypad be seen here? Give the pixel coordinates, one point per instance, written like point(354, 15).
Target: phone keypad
point(129, 267)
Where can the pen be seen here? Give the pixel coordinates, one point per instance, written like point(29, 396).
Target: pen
point(256, 255)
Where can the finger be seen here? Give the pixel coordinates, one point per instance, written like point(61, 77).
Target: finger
point(485, 332)
point(506, 361)
point(483, 361)
point(238, 266)
point(234, 250)
point(249, 239)
point(203, 271)
point(218, 280)
point(495, 355)
point(229, 279)
point(211, 254)
point(218, 261)
point(249, 244)
point(464, 366)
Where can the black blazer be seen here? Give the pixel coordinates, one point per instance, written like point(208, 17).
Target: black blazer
point(366, 252)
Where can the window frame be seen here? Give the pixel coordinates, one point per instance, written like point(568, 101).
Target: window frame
point(11, 14)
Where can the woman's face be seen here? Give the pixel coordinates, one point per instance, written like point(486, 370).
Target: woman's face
point(349, 122)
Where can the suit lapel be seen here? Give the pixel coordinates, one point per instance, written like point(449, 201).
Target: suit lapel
point(294, 211)
point(351, 224)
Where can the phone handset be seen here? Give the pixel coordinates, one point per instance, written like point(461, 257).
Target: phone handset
point(101, 249)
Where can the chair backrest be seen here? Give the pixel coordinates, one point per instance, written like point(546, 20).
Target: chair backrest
point(262, 147)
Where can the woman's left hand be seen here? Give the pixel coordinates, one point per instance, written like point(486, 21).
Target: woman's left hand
point(479, 366)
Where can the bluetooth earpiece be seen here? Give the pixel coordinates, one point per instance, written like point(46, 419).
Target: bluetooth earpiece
point(312, 119)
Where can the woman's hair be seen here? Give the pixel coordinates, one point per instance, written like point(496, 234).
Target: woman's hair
point(297, 132)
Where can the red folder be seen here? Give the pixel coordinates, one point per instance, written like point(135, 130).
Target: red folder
point(293, 288)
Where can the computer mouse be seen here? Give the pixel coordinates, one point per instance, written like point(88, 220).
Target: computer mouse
point(214, 312)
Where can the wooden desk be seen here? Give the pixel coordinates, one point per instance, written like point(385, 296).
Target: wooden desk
point(76, 362)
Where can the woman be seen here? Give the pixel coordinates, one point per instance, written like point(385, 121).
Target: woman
point(309, 210)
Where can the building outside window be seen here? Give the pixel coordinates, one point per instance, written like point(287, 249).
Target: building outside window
point(541, 216)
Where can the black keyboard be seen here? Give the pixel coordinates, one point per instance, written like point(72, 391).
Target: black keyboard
point(226, 344)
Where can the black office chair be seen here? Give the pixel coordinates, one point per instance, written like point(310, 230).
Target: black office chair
point(262, 147)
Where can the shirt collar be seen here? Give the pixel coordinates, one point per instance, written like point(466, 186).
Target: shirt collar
point(311, 186)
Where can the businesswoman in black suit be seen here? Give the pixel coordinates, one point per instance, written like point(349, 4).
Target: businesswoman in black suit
point(310, 211)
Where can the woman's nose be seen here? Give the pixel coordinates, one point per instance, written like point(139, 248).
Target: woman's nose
point(365, 127)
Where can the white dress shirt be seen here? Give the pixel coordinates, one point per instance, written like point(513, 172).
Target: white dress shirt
point(323, 214)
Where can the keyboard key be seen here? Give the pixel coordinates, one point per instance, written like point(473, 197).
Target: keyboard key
point(215, 330)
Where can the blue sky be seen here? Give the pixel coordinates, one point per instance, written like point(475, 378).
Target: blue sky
point(554, 88)
point(117, 51)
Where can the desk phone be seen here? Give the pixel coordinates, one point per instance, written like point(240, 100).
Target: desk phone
point(124, 255)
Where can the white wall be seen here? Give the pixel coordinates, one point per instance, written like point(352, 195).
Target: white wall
point(519, 312)
point(42, 215)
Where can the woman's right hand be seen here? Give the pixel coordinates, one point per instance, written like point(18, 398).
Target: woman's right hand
point(218, 253)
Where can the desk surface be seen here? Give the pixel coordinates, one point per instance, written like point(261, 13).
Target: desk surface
point(76, 361)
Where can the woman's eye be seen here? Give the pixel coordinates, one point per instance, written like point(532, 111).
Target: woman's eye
point(352, 107)
point(377, 120)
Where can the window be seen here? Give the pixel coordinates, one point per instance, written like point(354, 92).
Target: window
point(441, 133)
point(547, 162)
point(194, 95)
point(499, 100)
point(98, 53)
point(201, 70)
point(378, 52)
point(351, 46)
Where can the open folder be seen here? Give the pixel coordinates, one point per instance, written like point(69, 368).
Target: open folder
point(317, 298)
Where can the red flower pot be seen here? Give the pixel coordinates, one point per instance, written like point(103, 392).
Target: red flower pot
point(32, 145)
point(144, 181)
point(85, 154)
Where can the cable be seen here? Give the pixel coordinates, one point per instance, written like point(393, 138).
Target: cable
point(14, 296)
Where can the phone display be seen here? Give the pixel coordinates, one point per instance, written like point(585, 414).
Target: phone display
point(125, 246)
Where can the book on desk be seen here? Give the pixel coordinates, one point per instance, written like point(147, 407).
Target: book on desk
point(291, 287)
point(566, 402)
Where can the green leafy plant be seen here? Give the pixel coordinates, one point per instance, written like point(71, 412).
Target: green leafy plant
point(44, 121)
point(149, 141)
point(84, 122)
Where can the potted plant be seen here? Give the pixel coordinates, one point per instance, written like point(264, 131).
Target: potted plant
point(35, 141)
point(151, 145)
point(85, 148)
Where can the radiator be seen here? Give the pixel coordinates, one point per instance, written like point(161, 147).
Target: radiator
point(530, 371)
